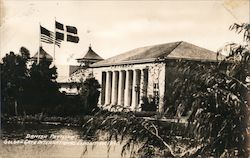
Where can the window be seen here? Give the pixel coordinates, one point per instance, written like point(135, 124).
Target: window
point(156, 93)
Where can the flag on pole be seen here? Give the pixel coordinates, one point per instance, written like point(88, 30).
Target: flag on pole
point(71, 29)
point(59, 26)
point(59, 32)
point(71, 38)
point(71, 33)
point(59, 36)
point(48, 36)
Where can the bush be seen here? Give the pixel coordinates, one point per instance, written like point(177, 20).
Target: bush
point(149, 104)
point(89, 94)
point(214, 95)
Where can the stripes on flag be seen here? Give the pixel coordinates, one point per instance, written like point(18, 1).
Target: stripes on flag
point(70, 33)
point(51, 42)
point(48, 36)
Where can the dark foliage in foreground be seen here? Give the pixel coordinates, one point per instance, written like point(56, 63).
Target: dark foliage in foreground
point(14, 79)
point(27, 90)
point(34, 90)
point(148, 104)
point(89, 94)
point(215, 99)
point(139, 136)
point(42, 88)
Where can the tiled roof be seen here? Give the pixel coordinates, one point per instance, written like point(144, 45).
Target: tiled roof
point(91, 55)
point(42, 54)
point(176, 50)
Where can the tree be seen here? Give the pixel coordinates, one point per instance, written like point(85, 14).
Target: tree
point(89, 93)
point(14, 76)
point(43, 88)
point(214, 95)
point(25, 53)
point(31, 90)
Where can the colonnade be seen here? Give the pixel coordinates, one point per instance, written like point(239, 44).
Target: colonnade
point(124, 87)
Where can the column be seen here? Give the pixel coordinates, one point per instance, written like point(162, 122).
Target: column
point(103, 88)
point(136, 86)
point(128, 82)
point(143, 91)
point(121, 87)
point(114, 88)
point(108, 88)
point(162, 79)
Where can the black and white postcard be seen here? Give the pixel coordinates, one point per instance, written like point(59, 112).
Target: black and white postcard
point(110, 79)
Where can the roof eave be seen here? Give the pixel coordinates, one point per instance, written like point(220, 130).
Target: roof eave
point(144, 61)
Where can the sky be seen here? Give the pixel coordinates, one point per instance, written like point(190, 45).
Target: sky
point(114, 27)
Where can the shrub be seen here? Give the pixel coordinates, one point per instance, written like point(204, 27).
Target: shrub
point(89, 94)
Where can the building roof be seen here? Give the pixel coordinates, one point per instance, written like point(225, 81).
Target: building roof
point(91, 55)
point(174, 50)
point(42, 54)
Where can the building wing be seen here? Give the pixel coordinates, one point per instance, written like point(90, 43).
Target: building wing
point(174, 50)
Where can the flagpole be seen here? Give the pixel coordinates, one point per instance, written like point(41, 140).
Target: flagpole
point(54, 55)
point(40, 44)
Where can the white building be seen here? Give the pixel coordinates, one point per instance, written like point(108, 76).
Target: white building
point(143, 72)
point(70, 83)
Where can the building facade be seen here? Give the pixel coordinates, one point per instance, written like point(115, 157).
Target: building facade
point(70, 85)
point(144, 73)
